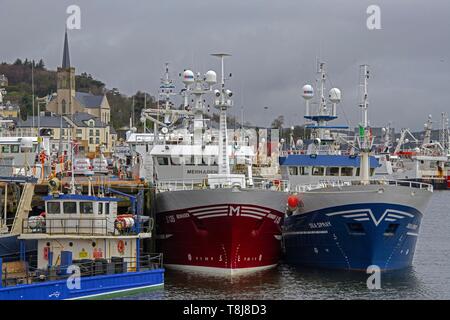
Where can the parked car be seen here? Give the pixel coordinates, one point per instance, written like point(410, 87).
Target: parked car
point(82, 166)
point(100, 166)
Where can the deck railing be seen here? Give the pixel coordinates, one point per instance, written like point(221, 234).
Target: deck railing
point(82, 226)
point(340, 183)
point(201, 184)
point(21, 272)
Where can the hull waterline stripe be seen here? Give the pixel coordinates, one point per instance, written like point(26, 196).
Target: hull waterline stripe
point(117, 291)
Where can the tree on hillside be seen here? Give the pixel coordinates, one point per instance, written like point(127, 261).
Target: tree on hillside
point(278, 122)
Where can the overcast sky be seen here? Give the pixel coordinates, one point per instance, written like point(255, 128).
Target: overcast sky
point(274, 45)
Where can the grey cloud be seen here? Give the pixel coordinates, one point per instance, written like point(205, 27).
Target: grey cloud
point(274, 46)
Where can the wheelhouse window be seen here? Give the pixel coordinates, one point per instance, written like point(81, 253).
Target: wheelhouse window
point(175, 161)
point(318, 171)
point(5, 148)
point(347, 171)
point(100, 208)
point(107, 208)
point(70, 207)
point(332, 171)
point(86, 207)
point(53, 207)
point(163, 161)
point(190, 161)
point(293, 171)
point(304, 171)
point(15, 148)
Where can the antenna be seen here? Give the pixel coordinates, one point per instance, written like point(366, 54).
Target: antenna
point(221, 56)
point(365, 138)
point(223, 103)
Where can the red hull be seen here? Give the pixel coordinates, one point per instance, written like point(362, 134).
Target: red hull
point(221, 237)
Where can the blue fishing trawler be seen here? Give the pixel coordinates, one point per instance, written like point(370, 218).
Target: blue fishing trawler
point(339, 217)
point(85, 250)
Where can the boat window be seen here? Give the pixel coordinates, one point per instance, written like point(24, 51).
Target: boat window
point(304, 171)
point(293, 171)
point(163, 161)
point(356, 228)
point(53, 207)
point(332, 171)
point(107, 208)
point(391, 229)
point(347, 172)
point(318, 171)
point(86, 207)
point(175, 161)
point(70, 207)
point(357, 172)
point(190, 160)
point(372, 171)
point(14, 148)
point(5, 148)
point(100, 208)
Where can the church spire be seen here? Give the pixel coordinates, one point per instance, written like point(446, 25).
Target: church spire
point(66, 56)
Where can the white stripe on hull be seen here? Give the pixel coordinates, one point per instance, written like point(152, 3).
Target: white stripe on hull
point(218, 271)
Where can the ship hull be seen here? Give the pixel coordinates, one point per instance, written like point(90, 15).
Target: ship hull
point(355, 227)
point(220, 231)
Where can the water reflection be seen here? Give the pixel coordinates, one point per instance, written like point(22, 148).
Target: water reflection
point(427, 279)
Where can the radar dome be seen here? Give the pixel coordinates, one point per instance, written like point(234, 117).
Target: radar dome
point(307, 92)
point(211, 77)
point(188, 77)
point(26, 144)
point(335, 95)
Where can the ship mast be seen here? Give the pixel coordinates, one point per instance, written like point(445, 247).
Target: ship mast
point(365, 140)
point(223, 103)
point(321, 130)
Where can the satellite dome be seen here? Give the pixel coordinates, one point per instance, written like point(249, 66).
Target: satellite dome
point(211, 77)
point(335, 95)
point(188, 77)
point(307, 92)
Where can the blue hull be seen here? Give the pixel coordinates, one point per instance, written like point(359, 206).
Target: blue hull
point(95, 287)
point(353, 237)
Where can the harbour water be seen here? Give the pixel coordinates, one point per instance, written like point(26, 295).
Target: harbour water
point(428, 278)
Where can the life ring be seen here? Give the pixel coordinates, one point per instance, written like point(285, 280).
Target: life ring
point(121, 246)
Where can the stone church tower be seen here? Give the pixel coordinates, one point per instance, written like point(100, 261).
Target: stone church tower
point(66, 83)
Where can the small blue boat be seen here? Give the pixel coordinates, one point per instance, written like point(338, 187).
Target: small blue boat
point(85, 250)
